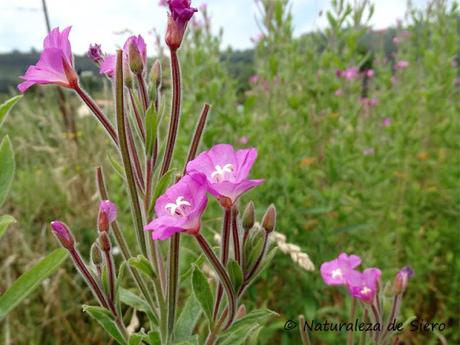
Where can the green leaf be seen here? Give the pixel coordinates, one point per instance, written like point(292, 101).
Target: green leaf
point(5, 222)
point(154, 338)
point(235, 273)
point(136, 302)
point(29, 280)
point(151, 126)
point(248, 324)
point(7, 106)
point(7, 167)
point(193, 340)
point(161, 186)
point(187, 320)
point(135, 339)
point(143, 265)
point(107, 321)
point(202, 292)
point(117, 166)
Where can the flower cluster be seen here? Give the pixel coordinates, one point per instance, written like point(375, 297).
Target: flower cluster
point(221, 171)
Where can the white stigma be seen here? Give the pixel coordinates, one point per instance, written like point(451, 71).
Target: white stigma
point(220, 171)
point(176, 208)
point(337, 273)
point(365, 290)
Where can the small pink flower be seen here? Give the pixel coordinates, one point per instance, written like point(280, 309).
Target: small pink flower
point(180, 13)
point(364, 286)
point(387, 122)
point(402, 279)
point(370, 151)
point(62, 233)
point(226, 170)
point(338, 92)
point(335, 272)
point(95, 53)
point(369, 73)
point(350, 73)
point(180, 208)
point(254, 79)
point(55, 65)
point(243, 140)
point(402, 64)
point(369, 102)
point(109, 208)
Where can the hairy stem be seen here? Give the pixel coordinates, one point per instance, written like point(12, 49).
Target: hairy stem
point(137, 115)
point(173, 280)
point(124, 150)
point(236, 239)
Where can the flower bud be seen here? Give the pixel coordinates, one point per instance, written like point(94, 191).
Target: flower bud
point(107, 214)
point(249, 216)
point(96, 255)
point(269, 219)
point(63, 234)
point(136, 63)
point(401, 280)
point(155, 73)
point(104, 241)
point(127, 76)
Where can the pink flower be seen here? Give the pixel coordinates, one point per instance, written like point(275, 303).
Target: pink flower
point(338, 92)
point(369, 73)
point(243, 140)
point(369, 151)
point(95, 53)
point(180, 208)
point(62, 233)
point(254, 79)
point(109, 208)
point(226, 171)
point(402, 64)
point(402, 278)
point(55, 65)
point(350, 73)
point(369, 102)
point(108, 63)
point(387, 122)
point(180, 14)
point(364, 286)
point(335, 272)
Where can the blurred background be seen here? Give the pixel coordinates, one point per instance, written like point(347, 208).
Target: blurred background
point(354, 109)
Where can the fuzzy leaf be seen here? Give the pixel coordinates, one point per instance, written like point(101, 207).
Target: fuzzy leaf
point(5, 222)
point(136, 302)
point(235, 273)
point(151, 126)
point(106, 320)
point(7, 106)
point(143, 265)
point(7, 166)
point(30, 280)
point(202, 292)
point(187, 319)
point(135, 339)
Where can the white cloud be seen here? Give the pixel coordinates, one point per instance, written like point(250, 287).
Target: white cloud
point(22, 24)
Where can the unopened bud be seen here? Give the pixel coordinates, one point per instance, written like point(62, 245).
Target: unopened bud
point(155, 73)
point(63, 234)
point(249, 216)
point(107, 214)
point(401, 280)
point(127, 76)
point(269, 219)
point(104, 241)
point(96, 255)
point(136, 64)
point(174, 33)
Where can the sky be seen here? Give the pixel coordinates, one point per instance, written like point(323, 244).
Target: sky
point(22, 25)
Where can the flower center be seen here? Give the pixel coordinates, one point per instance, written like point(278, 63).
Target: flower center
point(365, 290)
point(177, 208)
point(337, 273)
point(219, 173)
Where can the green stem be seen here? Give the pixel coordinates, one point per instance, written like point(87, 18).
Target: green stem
point(223, 277)
point(351, 319)
point(303, 332)
point(124, 150)
point(173, 280)
point(123, 245)
point(175, 113)
point(236, 239)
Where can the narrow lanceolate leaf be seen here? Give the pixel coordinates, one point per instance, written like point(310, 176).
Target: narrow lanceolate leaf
point(142, 264)
point(235, 273)
point(106, 320)
point(7, 167)
point(29, 281)
point(187, 320)
point(5, 222)
point(202, 292)
point(135, 339)
point(247, 324)
point(129, 298)
point(7, 106)
point(239, 336)
point(151, 125)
